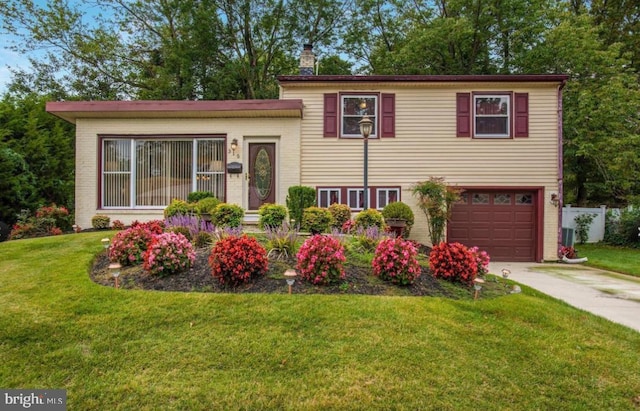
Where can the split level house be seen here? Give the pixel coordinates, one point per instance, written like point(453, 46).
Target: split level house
point(498, 137)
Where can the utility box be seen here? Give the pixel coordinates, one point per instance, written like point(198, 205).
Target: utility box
point(568, 236)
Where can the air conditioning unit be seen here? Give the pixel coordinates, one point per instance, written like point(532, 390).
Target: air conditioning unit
point(568, 235)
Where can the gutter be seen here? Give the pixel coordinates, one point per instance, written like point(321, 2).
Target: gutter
point(560, 164)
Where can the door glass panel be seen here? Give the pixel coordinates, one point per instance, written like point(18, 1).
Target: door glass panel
point(479, 198)
point(524, 199)
point(502, 199)
point(263, 174)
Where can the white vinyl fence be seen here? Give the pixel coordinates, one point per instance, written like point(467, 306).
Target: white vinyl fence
point(596, 231)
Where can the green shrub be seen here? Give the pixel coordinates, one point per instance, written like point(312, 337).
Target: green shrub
point(341, 214)
point(298, 199)
point(227, 215)
point(206, 205)
point(623, 230)
point(316, 220)
point(176, 207)
point(368, 218)
point(100, 221)
point(271, 215)
point(583, 223)
point(196, 196)
point(402, 211)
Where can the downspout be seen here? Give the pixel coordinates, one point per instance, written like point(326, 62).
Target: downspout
point(560, 165)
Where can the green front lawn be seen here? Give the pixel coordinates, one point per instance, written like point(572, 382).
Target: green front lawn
point(618, 259)
point(144, 350)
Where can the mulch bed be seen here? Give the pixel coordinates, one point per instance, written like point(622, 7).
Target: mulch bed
point(359, 280)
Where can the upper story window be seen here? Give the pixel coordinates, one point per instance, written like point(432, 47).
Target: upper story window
point(492, 115)
point(485, 115)
point(343, 111)
point(354, 107)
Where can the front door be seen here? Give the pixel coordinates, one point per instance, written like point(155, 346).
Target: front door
point(262, 174)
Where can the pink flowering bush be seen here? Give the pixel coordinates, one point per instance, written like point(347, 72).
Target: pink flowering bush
point(320, 260)
point(453, 262)
point(235, 260)
point(155, 226)
point(168, 253)
point(395, 261)
point(482, 260)
point(128, 246)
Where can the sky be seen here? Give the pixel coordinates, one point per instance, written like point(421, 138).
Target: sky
point(9, 58)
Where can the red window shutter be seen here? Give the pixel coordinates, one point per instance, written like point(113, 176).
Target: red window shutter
point(521, 111)
point(331, 115)
point(463, 114)
point(388, 114)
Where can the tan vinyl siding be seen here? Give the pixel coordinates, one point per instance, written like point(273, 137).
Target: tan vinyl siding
point(285, 132)
point(426, 145)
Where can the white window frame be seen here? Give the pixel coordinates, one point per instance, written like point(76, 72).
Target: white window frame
point(507, 116)
point(359, 193)
point(133, 169)
point(386, 192)
point(328, 192)
point(374, 118)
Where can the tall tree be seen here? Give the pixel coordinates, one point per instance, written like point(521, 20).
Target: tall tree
point(601, 106)
point(168, 49)
point(39, 148)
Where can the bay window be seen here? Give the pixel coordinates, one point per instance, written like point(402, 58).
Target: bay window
point(149, 172)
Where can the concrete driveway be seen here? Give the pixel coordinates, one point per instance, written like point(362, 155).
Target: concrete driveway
point(613, 296)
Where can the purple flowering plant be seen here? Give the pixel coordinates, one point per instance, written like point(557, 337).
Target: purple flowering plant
point(395, 261)
point(168, 253)
point(320, 260)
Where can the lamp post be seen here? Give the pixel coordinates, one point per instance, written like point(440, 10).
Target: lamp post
point(365, 129)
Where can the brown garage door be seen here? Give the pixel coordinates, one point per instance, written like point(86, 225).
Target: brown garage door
point(500, 222)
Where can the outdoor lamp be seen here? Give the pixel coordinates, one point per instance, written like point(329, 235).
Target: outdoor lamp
point(234, 145)
point(366, 124)
point(290, 276)
point(505, 273)
point(365, 129)
point(477, 286)
point(105, 243)
point(114, 269)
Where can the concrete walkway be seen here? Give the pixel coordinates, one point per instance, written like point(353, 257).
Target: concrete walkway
point(613, 296)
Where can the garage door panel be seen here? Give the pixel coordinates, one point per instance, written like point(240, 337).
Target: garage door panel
point(459, 232)
point(502, 234)
point(481, 216)
point(479, 234)
point(502, 218)
point(524, 217)
point(505, 228)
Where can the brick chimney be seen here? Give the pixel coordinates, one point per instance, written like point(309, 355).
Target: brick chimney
point(307, 60)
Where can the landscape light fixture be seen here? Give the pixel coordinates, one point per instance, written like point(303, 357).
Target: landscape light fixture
point(105, 243)
point(477, 286)
point(290, 275)
point(366, 124)
point(114, 269)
